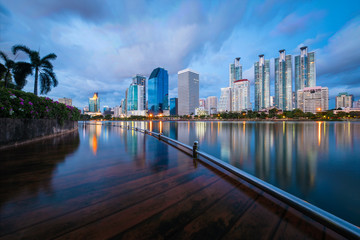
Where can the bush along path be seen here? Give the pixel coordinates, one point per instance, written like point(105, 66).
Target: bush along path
point(23, 105)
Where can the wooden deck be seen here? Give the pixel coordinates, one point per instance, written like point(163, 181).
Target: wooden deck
point(140, 194)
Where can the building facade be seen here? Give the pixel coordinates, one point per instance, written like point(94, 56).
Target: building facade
point(67, 101)
point(356, 104)
point(174, 107)
point(235, 71)
point(135, 98)
point(225, 102)
point(188, 91)
point(344, 100)
point(305, 71)
point(283, 81)
point(158, 91)
point(140, 80)
point(211, 104)
point(313, 99)
point(202, 103)
point(94, 103)
point(262, 83)
point(241, 95)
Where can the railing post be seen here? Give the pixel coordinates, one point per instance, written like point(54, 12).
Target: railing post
point(195, 148)
point(145, 131)
point(160, 135)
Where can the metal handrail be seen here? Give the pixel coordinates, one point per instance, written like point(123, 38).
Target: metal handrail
point(335, 223)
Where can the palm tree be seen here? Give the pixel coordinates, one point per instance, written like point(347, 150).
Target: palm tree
point(42, 67)
point(7, 67)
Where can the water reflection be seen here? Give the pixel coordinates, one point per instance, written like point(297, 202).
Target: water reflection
point(303, 158)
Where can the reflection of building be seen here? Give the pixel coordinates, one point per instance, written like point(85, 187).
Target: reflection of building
point(67, 101)
point(305, 72)
point(211, 105)
point(344, 100)
point(283, 81)
point(158, 91)
point(262, 83)
point(313, 99)
point(188, 91)
point(94, 103)
point(241, 95)
point(174, 107)
point(235, 71)
point(225, 100)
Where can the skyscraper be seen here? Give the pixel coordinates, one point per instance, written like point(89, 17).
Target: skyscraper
point(140, 80)
point(225, 101)
point(135, 99)
point(241, 95)
point(283, 81)
point(174, 107)
point(94, 103)
point(305, 71)
point(344, 100)
point(235, 71)
point(313, 99)
point(188, 91)
point(262, 83)
point(158, 91)
point(211, 104)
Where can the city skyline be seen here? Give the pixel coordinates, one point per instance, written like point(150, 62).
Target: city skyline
point(102, 45)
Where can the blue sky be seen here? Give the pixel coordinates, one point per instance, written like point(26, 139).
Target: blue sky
point(101, 44)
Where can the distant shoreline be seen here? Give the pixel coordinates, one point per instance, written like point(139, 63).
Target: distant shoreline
point(229, 120)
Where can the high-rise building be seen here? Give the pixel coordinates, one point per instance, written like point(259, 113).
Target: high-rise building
point(344, 100)
point(283, 81)
point(225, 101)
point(158, 91)
point(94, 103)
point(305, 71)
point(140, 80)
point(356, 104)
point(188, 91)
point(67, 101)
point(202, 103)
point(174, 107)
point(313, 99)
point(241, 95)
point(126, 101)
point(211, 104)
point(135, 98)
point(235, 71)
point(262, 83)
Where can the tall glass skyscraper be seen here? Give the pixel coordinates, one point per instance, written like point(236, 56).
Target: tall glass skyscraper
point(235, 71)
point(305, 72)
point(283, 81)
point(173, 106)
point(158, 91)
point(188, 91)
point(262, 83)
point(94, 103)
point(140, 80)
point(135, 98)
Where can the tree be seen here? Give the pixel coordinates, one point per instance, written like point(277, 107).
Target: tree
point(42, 68)
point(6, 68)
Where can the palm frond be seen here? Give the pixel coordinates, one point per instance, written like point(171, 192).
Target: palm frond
point(19, 47)
point(45, 83)
point(4, 56)
point(20, 72)
point(47, 64)
point(2, 69)
point(52, 76)
point(51, 56)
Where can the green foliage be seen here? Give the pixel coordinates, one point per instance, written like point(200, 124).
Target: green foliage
point(19, 104)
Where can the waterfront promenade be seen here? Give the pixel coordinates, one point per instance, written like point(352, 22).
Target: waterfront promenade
point(108, 182)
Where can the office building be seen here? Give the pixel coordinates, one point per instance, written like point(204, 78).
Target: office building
point(158, 91)
point(262, 83)
point(241, 95)
point(94, 103)
point(188, 91)
point(305, 71)
point(356, 104)
point(66, 101)
point(174, 107)
point(313, 99)
point(225, 102)
point(283, 81)
point(135, 100)
point(211, 104)
point(344, 100)
point(140, 80)
point(235, 71)
point(202, 103)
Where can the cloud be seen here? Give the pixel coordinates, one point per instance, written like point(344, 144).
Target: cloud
point(293, 23)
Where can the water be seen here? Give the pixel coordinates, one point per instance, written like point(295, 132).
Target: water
point(318, 162)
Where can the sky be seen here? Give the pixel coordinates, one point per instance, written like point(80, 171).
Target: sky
point(100, 44)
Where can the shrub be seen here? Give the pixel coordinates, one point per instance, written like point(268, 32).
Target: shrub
point(19, 104)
